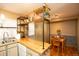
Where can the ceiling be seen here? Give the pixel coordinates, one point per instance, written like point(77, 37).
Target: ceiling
point(57, 9)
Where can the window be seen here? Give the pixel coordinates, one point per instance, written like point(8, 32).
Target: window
point(31, 29)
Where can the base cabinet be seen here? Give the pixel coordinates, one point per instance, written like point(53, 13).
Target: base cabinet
point(9, 50)
point(12, 50)
point(18, 49)
point(22, 50)
point(2, 53)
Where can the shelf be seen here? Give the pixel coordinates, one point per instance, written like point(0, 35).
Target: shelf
point(20, 31)
point(22, 17)
point(22, 24)
point(8, 27)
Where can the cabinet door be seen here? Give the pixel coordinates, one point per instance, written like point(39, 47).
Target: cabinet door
point(22, 50)
point(12, 50)
point(2, 51)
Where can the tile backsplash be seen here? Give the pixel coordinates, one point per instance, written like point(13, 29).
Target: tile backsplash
point(11, 31)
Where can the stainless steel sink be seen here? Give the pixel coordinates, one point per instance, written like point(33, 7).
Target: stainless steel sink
point(6, 38)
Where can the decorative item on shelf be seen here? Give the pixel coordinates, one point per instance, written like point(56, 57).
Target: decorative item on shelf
point(18, 36)
point(58, 33)
point(30, 19)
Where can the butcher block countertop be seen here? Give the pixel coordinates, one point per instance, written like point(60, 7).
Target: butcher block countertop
point(34, 45)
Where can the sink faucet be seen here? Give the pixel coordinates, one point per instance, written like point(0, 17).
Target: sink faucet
point(4, 38)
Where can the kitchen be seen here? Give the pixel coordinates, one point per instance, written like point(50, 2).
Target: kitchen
point(30, 30)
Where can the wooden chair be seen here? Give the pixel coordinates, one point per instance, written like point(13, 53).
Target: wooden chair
point(56, 43)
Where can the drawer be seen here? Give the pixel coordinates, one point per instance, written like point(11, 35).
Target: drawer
point(2, 48)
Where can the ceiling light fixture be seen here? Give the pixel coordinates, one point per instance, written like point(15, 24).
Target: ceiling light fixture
point(2, 16)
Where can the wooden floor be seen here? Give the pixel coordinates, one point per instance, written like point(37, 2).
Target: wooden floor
point(68, 51)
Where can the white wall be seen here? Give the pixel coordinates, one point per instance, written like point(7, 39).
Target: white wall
point(31, 29)
point(8, 21)
point(11, 31)
point(67, 27)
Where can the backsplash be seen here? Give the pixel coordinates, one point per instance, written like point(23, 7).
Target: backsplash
point(11, 31)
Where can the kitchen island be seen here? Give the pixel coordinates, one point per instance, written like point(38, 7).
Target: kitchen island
point(34, 47)
point(24, 47)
